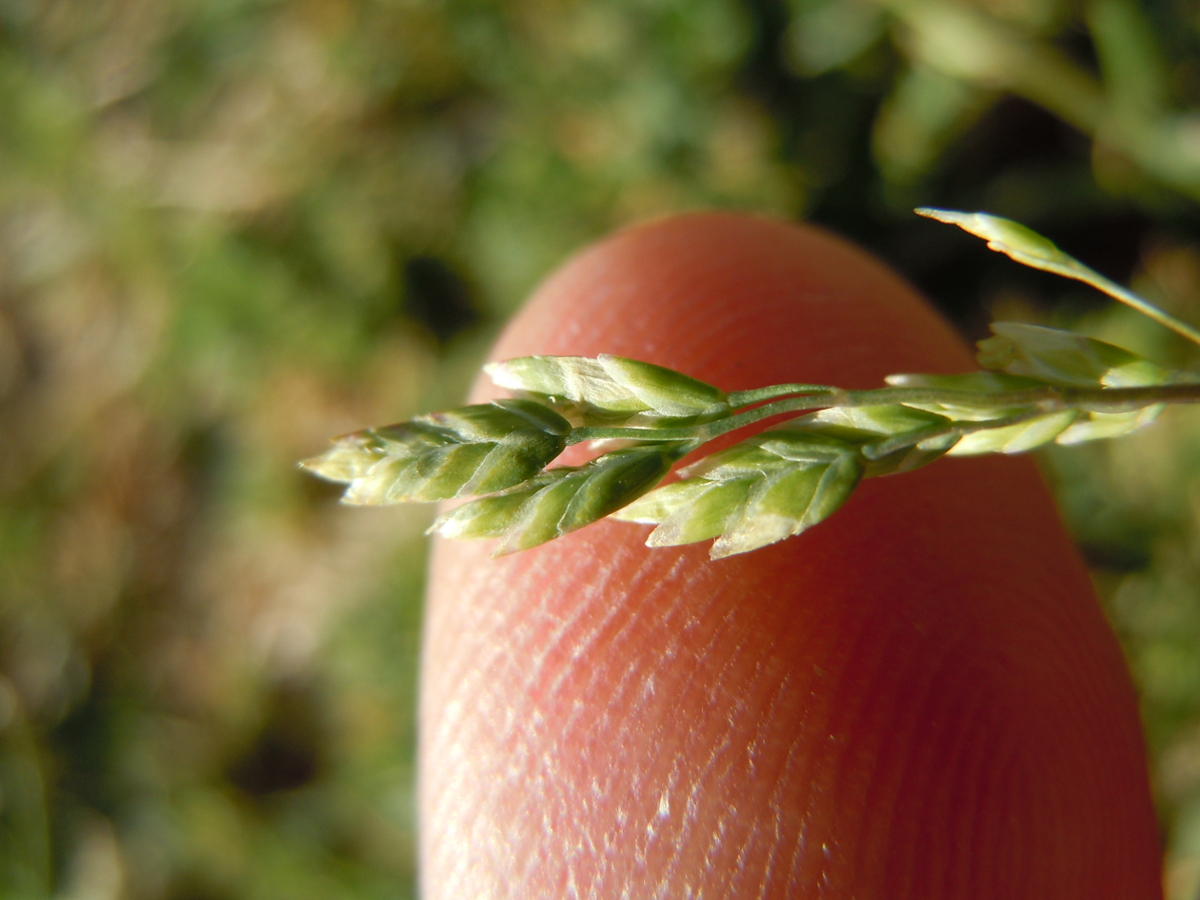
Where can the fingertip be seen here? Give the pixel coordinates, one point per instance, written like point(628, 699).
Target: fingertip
point(918, 698)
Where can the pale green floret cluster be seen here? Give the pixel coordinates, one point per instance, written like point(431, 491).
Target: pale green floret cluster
point(609, 390)
point(1011, 238)
point(562, 499)
point(755, 493)
point(1037, 385)
point(1064, 358)
point(460, 453)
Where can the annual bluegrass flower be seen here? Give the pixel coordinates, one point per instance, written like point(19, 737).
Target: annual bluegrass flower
point(562, 499)
point(1037, 385)
point(471, 450)
point(608, 389)
point(1064, 358)
point(755, 493)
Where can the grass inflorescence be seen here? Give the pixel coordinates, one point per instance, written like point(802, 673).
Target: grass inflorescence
point(1036, 386)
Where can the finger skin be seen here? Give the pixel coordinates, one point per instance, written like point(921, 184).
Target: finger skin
point(919, 698)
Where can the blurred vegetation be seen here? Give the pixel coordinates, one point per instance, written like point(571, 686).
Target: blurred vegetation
point(232, 228)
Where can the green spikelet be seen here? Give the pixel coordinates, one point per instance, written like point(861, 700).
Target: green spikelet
point(561, 500)
point(471, 450)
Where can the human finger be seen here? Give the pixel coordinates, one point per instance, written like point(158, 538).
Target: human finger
point(919, 698)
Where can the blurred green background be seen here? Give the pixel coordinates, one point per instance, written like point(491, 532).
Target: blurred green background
point(230, 229)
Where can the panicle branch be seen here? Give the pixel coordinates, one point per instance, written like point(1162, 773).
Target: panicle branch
point(1035, 386)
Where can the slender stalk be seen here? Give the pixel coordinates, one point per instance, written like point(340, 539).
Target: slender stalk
point(739, 399)
point(1031, 249)
point(880, 449)
point(1118, 400)
point(1046, 400)
point(708, 430)
point(1035, 402)
point(1129, 298)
